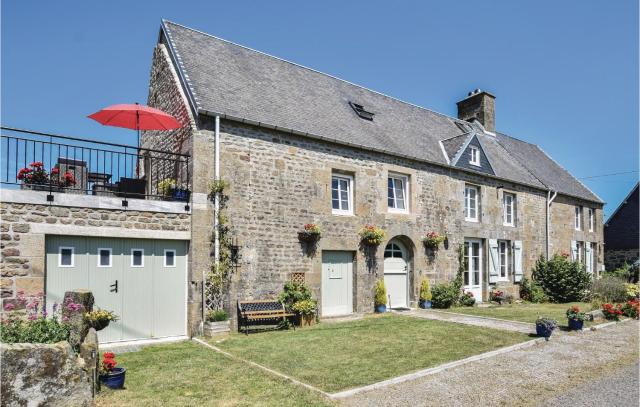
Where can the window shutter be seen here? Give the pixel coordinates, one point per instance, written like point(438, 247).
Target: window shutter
point(588, 258)
point(493, 263)
point(574, 250)
point(517, 261)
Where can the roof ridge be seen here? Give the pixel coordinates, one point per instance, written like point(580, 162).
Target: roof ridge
point(314, 70)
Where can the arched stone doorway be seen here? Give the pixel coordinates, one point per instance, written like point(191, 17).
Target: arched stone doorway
point(397, 273)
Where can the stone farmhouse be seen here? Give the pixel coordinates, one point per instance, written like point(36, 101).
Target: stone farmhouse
point(291, 146)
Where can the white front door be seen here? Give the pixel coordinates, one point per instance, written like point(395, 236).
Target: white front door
point(337, 283)
point(396, 272)
point(472, 276)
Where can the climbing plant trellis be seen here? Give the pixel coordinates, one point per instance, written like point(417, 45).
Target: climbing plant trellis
point(216, 284)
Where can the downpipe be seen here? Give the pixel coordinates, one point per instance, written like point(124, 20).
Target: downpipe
point(550, 200)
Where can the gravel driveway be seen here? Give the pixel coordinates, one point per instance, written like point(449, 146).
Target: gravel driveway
point(525, 377)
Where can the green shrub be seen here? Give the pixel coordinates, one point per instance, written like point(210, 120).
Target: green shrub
point(217, 315)
point(294, 292)
point(40, 330)
point(380, 293)
point(629, 273)
point(444, 295)
point(425, 291)
point(609, 289)
point(631, 309)
point(532, 292)
point(562, 280)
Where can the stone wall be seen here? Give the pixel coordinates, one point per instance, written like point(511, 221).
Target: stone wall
point(44, 374)
point(614, 259)
point(562, 228)
point(166, 94)
point(278, 182)
point(24, 227)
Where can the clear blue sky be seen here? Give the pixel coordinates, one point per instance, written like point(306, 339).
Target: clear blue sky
point(565, 73)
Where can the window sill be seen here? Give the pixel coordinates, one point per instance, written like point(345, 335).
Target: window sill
point(342, 213)
point(511, 225)
point(472, 220)
point(398, 211)
point(474, 164)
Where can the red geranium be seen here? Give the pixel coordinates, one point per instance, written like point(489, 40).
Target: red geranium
point(108, 362)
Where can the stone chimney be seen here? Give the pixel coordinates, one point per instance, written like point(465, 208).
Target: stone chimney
point(479, 105)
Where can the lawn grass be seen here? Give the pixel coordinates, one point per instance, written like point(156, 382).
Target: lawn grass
point(188, 374)
point(338, 356)
point(524, 312)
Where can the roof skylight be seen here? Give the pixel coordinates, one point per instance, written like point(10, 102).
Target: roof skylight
point(360, 111)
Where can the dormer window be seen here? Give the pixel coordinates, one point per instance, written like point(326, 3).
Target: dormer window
point(361, 111)
point(474, 156)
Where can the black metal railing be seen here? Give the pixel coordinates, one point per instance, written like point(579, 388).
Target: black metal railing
point(50, 162)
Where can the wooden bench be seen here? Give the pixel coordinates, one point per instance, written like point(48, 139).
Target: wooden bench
point(261, 310)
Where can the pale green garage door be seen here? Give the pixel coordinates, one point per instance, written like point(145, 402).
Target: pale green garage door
point(143, 281)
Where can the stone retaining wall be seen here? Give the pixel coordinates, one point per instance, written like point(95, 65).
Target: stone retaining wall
point(614, 259)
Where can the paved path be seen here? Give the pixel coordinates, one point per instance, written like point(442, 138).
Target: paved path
point(526, 377)
point(502, 324)
point(618, 389)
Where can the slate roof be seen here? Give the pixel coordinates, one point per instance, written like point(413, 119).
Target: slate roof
point(621, 230)
point(239, 83)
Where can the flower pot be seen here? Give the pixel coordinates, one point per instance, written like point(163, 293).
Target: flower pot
point(115, 379)
point(381, 308)
point(308, 237)
point(575, 324)
point(99, 325)
point(542, 331)
point(425, 304)
point(181, 195)
point(307, 320)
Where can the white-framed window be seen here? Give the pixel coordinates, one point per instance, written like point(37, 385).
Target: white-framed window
point(504, 258)
point(169, 258)
point(104, 257)
point(471, 197)
point(508, 209)
point(398, 193)
point(474, 156)
point(592, 219)
point(137, 257)
point(342, 194)
point(66, 256)
point(578, 218)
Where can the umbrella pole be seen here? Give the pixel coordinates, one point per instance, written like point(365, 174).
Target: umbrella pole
point(138, 150)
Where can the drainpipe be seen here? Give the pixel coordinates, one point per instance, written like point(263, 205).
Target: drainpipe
point(216, 201)
point(548, 225)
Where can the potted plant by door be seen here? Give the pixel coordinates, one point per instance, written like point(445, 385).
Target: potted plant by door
point(545, 327)
point(575, 318)
point(111, 375)
point(425, 294)
point(306, 310)
point(380, 297)
point(99, 319)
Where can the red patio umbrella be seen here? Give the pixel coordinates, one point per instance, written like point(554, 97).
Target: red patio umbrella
point(137, 117)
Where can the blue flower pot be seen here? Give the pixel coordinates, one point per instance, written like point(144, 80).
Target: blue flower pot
point(575, 324)
point(541, 330)
point(381, 308)
point(115, 379)
point(425, 304)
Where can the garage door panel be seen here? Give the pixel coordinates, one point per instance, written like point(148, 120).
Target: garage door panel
point(137, 290)
point(169, 287)
point(59, 277)
point(107, 284)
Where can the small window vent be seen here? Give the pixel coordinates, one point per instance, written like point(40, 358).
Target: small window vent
point(360, 111)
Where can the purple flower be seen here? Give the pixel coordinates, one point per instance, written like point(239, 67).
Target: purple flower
point(55, 307)
point(9, 307)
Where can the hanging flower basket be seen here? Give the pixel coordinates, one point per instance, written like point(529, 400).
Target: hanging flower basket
point(371, 235)
point(432, 240)
point(310, 233)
